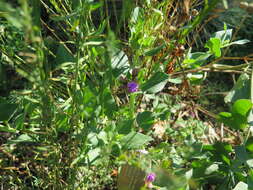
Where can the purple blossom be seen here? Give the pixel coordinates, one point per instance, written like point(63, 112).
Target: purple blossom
point(150, 177)
point(132, 87)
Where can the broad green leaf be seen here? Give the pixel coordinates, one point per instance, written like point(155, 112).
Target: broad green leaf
point(188, 174)
point(154, 51)
point(156, 83)
point(222, 152)
point(250, 163)
point(145, 120)
point(116, 150)
point(238, 118)
point(125, 127)
point(93, 139)
point(239, 122)
point(211, 169)
point(225, 117)
point(241, 89)
point(241, 154)
point(214, 46)
point(90, 101)
point(135, 140)
point(93, 155)
point(249, 144)
point(241, 186)
point(7, 110)
point(119, 64)
point(242, 107)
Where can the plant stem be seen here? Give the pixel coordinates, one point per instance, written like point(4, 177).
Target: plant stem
point(132, 105)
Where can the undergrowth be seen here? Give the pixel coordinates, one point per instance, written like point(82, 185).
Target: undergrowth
point(122, 95)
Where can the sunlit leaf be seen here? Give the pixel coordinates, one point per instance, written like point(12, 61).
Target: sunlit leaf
point(135, 140)
point(156, 83)
point(241, 186)
point(242, 107)
point(214, 46)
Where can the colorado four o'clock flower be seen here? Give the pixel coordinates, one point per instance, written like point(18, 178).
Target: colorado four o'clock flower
point(149, 179)
point(132, 87)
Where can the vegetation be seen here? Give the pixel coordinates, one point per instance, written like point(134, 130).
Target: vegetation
point(128, 95)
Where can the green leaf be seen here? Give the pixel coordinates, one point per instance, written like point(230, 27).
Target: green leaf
point(145, 120)
point(241, 154)
point(238, 118)
point(22, 138)
point(156, 83)
point(175, 80)
point(226, 118)
point(212, 168)
point(214, 46)
point(241, 186)
point(7, 129)
point(154, 51)
point(241, 89)
point(196, 78)
point(250, 179)
point(249, 144)
point(250, 163)
point(19, 121)
point(108, 102)
point(222, 152)
point(135, 140)
point(242, 107)
point(119, 64)
point(195, 60)
point(238, 42)
point(125, 127)
point(135, 14)
point(63, 55)
point(116, 150)
point(93, 155)
point(7, 110)
point(224, 35)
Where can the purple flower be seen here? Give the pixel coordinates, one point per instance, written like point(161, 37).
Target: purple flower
point(132, 87)
point(150, 177)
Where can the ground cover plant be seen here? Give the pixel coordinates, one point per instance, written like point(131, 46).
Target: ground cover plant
point(128, 95)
